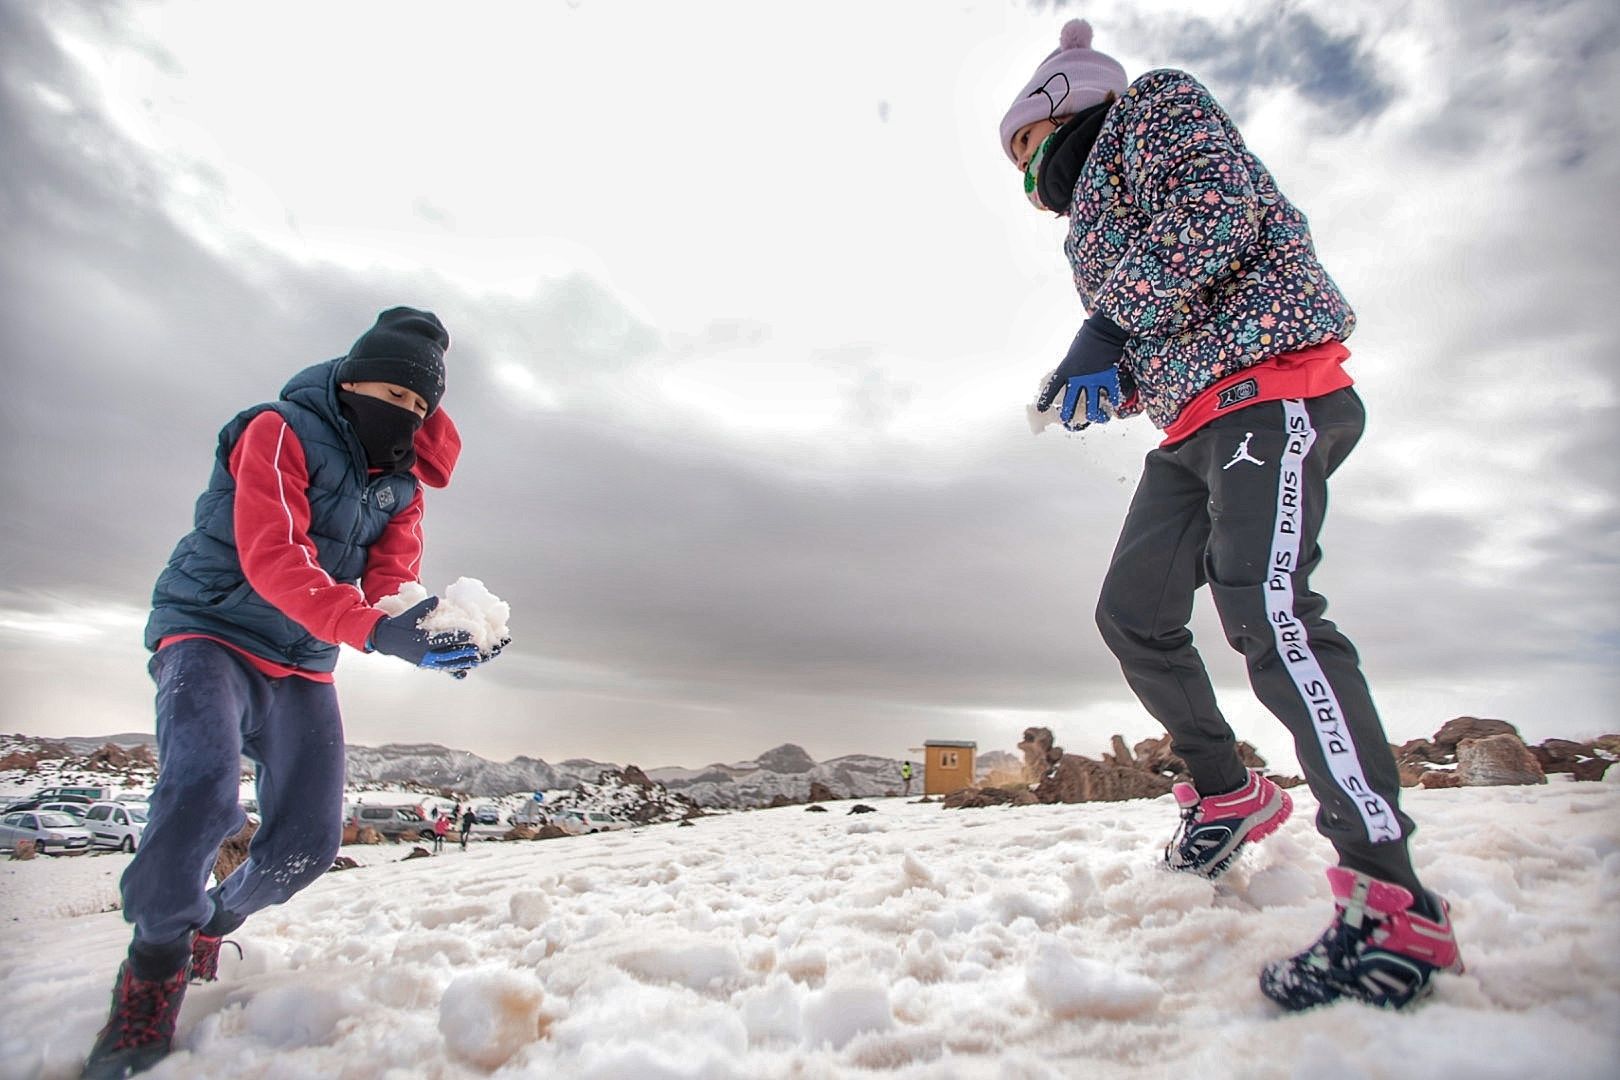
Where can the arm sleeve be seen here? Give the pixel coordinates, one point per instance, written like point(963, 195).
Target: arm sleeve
point(396, 558)
point(1186, 173)
point(271, 520)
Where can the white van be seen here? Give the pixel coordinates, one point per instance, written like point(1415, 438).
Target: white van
point(116, 825)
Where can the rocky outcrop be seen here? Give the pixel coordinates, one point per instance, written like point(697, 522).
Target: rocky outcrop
point(1076, 779)
point(233, 852)
point(23, 851)
point(1453, 733)
point(1052, 775)
point(786, 758)
point(1472, 752)
point(820, 792)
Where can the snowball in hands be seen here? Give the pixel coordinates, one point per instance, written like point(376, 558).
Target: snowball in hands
point(465, 605)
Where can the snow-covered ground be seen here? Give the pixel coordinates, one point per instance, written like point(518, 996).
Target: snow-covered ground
point(1038, 942)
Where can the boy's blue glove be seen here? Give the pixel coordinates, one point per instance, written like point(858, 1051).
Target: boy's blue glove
point(1091, 365)
point(451, 651)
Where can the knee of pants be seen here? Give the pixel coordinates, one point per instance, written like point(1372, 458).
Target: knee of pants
point(200, 797)
point(1243, 613)
point(1118, 620)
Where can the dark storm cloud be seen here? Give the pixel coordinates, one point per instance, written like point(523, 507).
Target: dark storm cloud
point(1278, 46)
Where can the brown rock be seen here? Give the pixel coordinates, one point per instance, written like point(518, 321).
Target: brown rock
point(521, 832)
point(780, 799)
point(820, 792)
point(1560, 755)
point(633, 775)
point(110, 758)
point(351, 833)
point(1036, 746)
point(549, 832)
point(233, 852)
point(342, 862)
point(1155, 756)
point(23, 851)
point(368, 835)
point(1287, 781)
point(1497, 760)
point(1121, 755)
point(973, 798)
point(1590, 769)
point(1441, 778)
point(18, 759)
point(1418, 752)
point(1078, 779)
point(1609, 744)
point(417, 853)
point(1453, 733)
point(1412, 775)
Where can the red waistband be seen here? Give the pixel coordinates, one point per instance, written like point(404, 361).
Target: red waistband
point(260, 664)
point(1304, 373)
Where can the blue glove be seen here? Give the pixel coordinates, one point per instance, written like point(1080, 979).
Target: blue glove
point(1091, 365)
point(451, 651)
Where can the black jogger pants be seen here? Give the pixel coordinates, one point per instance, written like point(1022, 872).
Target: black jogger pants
point(1238, 505)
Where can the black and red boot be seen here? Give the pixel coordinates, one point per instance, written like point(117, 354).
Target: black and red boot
point(205, 956)
point(140, 1029)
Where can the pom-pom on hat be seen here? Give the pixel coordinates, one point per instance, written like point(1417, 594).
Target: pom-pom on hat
point(406, 347)
point(1073, 77)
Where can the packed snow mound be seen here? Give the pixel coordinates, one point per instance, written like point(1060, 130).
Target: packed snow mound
point(465, 605)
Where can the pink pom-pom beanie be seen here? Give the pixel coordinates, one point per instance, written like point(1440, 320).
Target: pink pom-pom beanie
point(1073, 77)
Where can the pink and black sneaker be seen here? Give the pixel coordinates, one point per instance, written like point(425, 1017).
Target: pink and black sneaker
point(1215, 828)
point(1377, 950)
point(140, 1029)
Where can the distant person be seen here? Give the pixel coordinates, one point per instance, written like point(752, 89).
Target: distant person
point(1210, 312)
point(441, 828)
point(312, 515)
point(905, 776)
point(468, 820)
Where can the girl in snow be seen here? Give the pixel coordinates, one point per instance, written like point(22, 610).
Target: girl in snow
point(1209, 312)
point(311, 517)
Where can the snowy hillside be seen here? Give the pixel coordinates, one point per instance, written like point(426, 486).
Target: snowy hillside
point(440, 767)
point(1031, 943)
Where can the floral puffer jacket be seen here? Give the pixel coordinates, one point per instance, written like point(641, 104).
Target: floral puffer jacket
point(1179, 234)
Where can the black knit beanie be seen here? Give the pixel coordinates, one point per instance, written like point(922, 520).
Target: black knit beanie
point(406, 348)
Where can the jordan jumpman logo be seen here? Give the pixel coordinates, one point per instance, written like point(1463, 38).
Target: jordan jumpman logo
point(1243, 453)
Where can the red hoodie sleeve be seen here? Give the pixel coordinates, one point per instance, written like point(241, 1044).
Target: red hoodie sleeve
point(271, 518)
point(396, 558)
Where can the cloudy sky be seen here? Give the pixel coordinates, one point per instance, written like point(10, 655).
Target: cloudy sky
point(746, 304)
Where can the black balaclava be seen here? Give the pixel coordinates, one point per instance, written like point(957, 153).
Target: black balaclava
point(1066, 156)
point(388, 432)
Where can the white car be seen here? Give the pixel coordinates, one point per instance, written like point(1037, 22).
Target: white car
point(587, 821)
point(74, 810)
point(116, 825)
point(48, 829)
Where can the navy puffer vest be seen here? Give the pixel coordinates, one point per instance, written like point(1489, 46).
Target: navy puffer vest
point(203, 589)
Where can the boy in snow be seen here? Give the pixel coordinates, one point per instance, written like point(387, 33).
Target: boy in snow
point(1209, 311)
point(312, 514)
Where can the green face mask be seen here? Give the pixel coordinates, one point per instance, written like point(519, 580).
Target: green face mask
point(1032, 173)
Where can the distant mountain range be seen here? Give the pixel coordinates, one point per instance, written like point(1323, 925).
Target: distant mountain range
point(782, 774)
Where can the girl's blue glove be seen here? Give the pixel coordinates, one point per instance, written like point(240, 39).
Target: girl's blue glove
point(1091, 366)
point(451, 651)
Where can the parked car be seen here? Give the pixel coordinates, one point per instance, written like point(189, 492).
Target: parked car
point(87, 792)
point(74, 810)
point(35, 802)
point(390, 821)
point(116, 825)
point(48, 829)
point(586, 821)
point(133, 796)
point(489, 814)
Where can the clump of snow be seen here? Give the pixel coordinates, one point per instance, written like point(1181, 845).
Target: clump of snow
point(464, 605)
point(297, 1014)
point(487, 1016)
point(836, 1015)
point(1068, 986)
